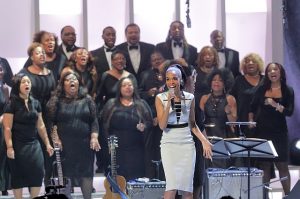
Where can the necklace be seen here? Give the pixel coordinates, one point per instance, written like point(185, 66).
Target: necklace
point(216, 100)
point(127, 102)
point(275, 88)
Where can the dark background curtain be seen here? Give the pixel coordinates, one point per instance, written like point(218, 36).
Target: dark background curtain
point(291, 25)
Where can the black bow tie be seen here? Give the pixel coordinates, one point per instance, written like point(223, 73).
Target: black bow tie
point(133, 47)
point(110, 49)
point(70, 48)
point(221, 50)
point(179, 44)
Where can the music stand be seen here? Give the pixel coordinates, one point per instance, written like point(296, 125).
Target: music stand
point(249, 148)
point(219, 150)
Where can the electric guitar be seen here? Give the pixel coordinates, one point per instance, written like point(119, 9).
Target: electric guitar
point(59, 185)
point(119, 181)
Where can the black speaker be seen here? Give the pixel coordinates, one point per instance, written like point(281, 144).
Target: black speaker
point(146, 190)
point(294, 194)
point(233, 182)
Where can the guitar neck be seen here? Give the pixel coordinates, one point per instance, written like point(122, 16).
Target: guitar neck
point(57, 156)
point(113, 165)
point(59, 167)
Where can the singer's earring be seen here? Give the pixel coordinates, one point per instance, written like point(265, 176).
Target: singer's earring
point(182, 82)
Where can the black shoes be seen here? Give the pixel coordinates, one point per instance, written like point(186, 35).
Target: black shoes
point(5, 193)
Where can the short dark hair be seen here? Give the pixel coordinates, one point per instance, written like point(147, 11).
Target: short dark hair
point(132, 25)
point(225, 76)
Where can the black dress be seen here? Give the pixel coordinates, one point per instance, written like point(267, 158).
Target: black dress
point(27, 169)
point(131, 147)
point(271, 124)
point(76, 120)
point(107, 88)
point(42, 86)
point(214, 111)
point(152, 79)
point(243, 91)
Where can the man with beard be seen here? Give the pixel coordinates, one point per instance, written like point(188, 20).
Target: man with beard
point(68, 37)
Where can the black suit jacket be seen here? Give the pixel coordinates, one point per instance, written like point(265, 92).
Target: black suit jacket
point(100, 61)
point(189, 54)
point(232, 61)
point(61, 51)
point(146, 50)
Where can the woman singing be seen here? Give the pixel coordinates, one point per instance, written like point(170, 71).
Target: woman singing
point(272, 102)
point(22, 121)
point(176, 117)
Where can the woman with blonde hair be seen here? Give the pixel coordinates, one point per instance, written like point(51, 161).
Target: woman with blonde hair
point(252, 67)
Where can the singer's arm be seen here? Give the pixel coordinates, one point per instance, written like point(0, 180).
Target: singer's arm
point(207, 151)
point(203, 101)
point(162, 112)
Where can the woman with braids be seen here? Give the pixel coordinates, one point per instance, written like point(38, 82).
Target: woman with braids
point(129, 118)
point(73, 111)
point(176, 117)
point(272, 102)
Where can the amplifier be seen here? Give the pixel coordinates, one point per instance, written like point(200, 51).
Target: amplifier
point(146, 190)
point(233, 182)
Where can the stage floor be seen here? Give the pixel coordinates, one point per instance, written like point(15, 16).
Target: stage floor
point(275, 193)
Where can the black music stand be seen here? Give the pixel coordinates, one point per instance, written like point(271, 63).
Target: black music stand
point(250, 148)
point(219, 150)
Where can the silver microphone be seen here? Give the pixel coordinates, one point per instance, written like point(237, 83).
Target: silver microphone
point(172, 92)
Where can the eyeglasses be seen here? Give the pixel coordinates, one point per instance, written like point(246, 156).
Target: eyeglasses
point(71, 78)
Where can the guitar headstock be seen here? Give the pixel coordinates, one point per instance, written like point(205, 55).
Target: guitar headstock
point(113, 142)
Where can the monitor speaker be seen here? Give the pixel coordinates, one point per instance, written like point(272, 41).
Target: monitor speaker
point(147, 190)
point(294, 194)
point(233, 182)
